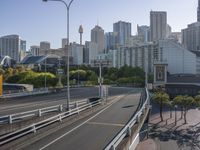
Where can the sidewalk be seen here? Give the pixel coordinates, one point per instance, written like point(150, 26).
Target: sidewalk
point(166, 135)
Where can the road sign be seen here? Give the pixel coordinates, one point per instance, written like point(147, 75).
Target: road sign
point(100, 80)
point(60, 71)
point(1, 85)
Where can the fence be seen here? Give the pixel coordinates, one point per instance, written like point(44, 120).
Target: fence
point(35, 127)
point(39, 112)
point(126, 131)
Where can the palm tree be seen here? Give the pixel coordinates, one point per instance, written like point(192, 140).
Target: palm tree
point(161, 98)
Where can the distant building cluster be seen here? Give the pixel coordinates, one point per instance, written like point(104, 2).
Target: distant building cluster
point(152, 44)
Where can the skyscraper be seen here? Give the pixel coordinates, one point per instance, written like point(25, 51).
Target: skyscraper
point(13, 46)
point(45, 45)
point(198, 11)
point(110, 40)
point(144, 32)
point(64, 42)
point(123, 30)
point(97, 36)
point(158, 25)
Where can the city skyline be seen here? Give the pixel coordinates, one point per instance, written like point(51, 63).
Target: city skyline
point(38, 21)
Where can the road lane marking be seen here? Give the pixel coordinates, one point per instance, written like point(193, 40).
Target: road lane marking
point(79, 125)
point(106, 124)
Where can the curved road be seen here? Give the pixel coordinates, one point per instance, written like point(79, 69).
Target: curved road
point(93, 132)
point(22, 104)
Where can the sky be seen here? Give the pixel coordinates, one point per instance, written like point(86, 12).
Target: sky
point(35, 20)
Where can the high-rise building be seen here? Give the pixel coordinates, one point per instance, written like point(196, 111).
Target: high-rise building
point(90, 52)
point(198, 11)
point(144, 32)
point(168, 31)
point(110, 40)
point(97, 36)
point(45, 45)
point(123, 30)
point(158, 25)
point(35, 50)
point(77, 53)
point(64, 42)
point(13, 46)
point(191, 37)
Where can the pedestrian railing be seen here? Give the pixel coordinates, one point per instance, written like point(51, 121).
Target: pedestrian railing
point(126, 131)
point(36, 126)
point(17, 117)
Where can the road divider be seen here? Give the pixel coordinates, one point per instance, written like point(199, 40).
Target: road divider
point(36, 126)
point(40, 112)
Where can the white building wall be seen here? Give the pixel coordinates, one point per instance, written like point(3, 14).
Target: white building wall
point(179, 60)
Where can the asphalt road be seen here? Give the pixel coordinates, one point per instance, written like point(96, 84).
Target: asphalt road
point(22, 104)
point(94, 132)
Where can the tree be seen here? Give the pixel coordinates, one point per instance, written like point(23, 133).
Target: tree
point(178, 101)
point(187, 102)
point(161, 98)
point(197, 100)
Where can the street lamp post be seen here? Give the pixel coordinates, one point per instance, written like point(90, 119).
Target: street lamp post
point(67, 7)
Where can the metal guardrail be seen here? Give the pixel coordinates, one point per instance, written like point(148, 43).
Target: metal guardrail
point(34, 127)
point(127, 129)
point(39, 112)
point(26, 93)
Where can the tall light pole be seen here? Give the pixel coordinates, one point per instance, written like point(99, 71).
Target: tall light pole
point(67, 7)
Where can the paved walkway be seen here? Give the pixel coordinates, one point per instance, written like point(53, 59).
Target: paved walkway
point(168, 136)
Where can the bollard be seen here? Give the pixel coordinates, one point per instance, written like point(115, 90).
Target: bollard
point(39, 112)
point(61, 108)
point(10, 119)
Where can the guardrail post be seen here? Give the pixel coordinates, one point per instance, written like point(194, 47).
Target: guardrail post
point(33, 128)
point(128, 131)
point(61, 108)
point(76, 104)
point(112, 147)
point(10, 119)
point(39, 112)
point(60, 118)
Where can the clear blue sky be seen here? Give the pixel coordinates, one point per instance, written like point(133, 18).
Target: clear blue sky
point(37, 21)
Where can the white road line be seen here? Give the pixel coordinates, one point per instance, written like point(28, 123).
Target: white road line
point(76, 127)
point(106, 124)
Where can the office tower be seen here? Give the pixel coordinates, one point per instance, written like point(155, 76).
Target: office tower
point(77, 53)
point(81, 34)
point(198, 11)
point(191, 37)
point(97, 36)
point(144, 32)
point(35, 50)
point(168, 31)
point(45, 45)
point(110, 40)
point(64, 42)
point(123, 30)
point(90, 52)
point(13, 46)
point(158, 25)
